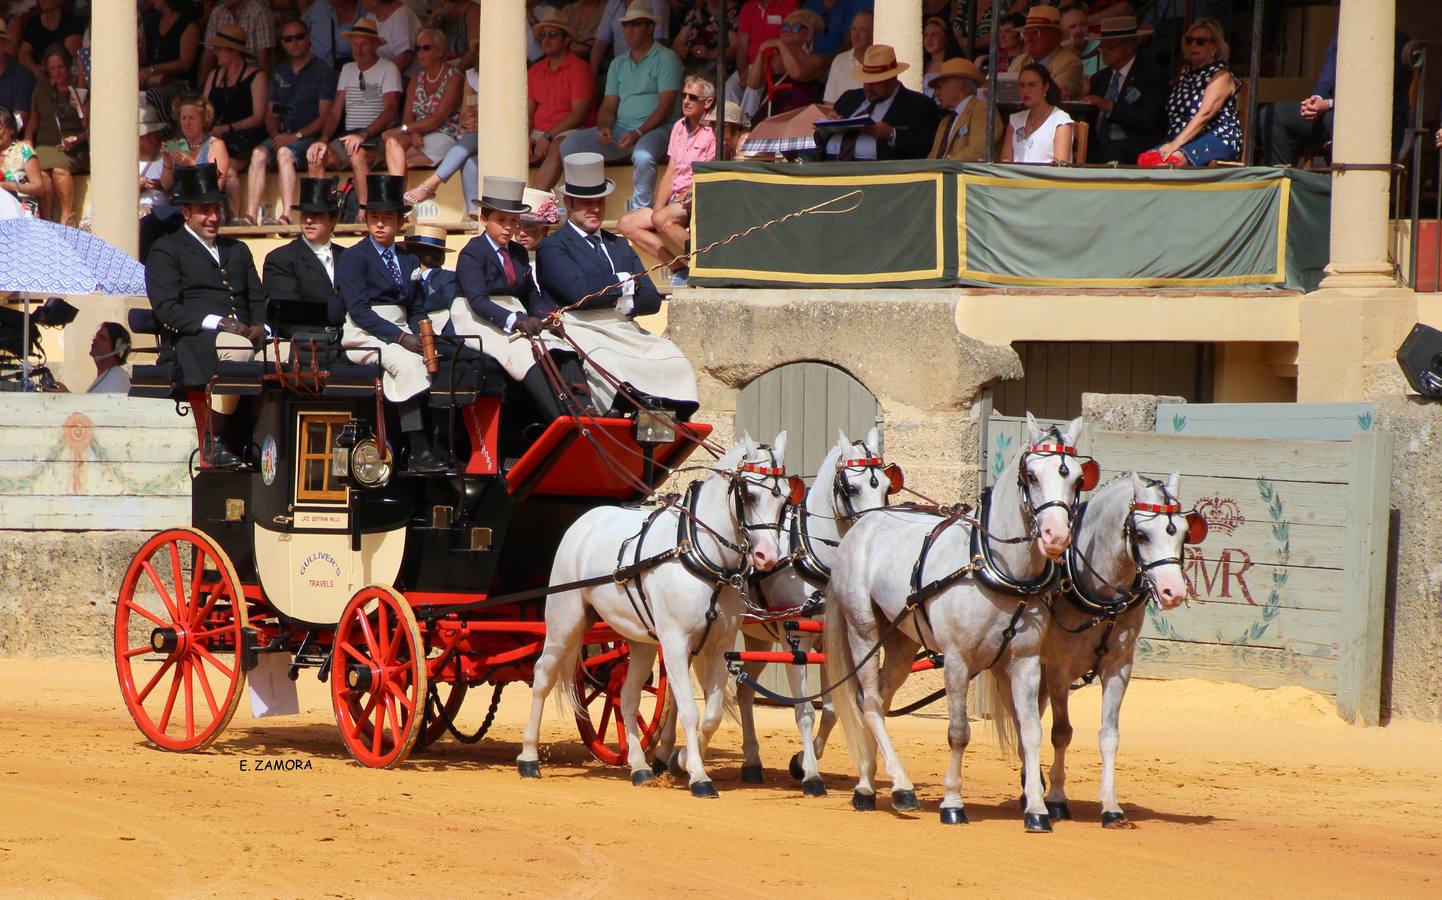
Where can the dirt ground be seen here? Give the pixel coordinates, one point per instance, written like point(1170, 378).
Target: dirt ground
point(1236, 792)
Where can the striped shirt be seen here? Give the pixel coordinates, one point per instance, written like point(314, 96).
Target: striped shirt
point(365, 91)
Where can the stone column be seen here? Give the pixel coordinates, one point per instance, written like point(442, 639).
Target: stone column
point(898, 23)
point(501, 103)
point(114, 112)
point(1362, 133)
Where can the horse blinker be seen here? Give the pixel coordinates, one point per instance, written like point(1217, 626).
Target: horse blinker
point(1091, 474)
point(1196, 528)
point(895, 477)
point(796, 490)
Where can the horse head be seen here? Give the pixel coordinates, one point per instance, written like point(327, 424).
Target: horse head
point(860, 478)
point(761, 489)
point(1157, 527)
point(1050, 476)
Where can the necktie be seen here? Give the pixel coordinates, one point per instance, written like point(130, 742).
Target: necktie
point(848, 140)
point(595, 240)
point(509, 266)
point(390, 257)
point(1104, 126)
point(328, 262)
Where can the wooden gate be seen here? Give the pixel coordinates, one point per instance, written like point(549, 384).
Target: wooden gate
point(809, 401)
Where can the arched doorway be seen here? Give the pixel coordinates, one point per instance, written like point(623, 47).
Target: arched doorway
point(810, 401)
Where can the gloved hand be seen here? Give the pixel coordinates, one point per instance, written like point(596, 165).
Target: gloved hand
point(410, 342)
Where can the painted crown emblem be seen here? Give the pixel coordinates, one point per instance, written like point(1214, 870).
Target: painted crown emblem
point(1221, 513)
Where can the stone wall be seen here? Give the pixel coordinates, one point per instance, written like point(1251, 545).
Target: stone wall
point(902, 345)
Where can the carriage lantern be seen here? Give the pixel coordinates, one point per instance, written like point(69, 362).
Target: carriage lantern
point(356, 456)
point(652, 429)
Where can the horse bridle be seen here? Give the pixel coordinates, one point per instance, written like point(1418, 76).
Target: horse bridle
point(1056, 447)
point(842, 490)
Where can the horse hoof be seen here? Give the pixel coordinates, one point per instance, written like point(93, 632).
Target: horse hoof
point(797, 771)
point(529, 768)
point(1037, 823)
point(813, 787)
point(704, 789)
point(904, 801)
point(1058, 811)
point(641, 776)
point(751, 774)
point(1116, 820)
point(863, 802)
point(658, 767)
point(953, 816)
point(674, 764)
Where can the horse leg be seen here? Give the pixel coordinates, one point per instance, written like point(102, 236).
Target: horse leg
point(873, 711)
point(677, 647)
point(643, 657)
point(1021, 684)
point(565, 626)
point(1114, 688)
point(803, 763)
point(828, 709)
point(666, 740)
point(958, 736)
point(899, 653)
point(746, 700)
point(1058, 689)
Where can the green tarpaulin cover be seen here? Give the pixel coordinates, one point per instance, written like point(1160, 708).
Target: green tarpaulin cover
point(931, 224)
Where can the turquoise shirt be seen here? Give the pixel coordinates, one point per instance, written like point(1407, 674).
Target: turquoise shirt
point(639, 84)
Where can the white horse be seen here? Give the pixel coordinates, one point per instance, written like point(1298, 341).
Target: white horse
point(851, 480)
point(1126, 549)
point(934, 587)
point(675, 602)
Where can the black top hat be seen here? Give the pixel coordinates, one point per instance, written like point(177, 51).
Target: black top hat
point(317, 195)
point(197, 184)
point(386, 192)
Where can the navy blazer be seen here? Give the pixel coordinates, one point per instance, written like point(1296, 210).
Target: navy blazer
point(570, 268)
point(434, 293)
point(481, 276)
point(364, 281)
point(1140, 111)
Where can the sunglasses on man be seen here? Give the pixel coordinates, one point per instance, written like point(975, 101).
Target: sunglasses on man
point(549, 35)
point(295, 38)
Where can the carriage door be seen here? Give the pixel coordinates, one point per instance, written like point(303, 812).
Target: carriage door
point(810, 401)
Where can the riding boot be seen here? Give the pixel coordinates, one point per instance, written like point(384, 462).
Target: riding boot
point(441, 437)
point(543, 394)
point(574, 377)
point(213, 452)
point(423, 459)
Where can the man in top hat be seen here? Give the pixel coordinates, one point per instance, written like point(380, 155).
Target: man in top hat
point(903, 120)
point(206, 293)
point(1130, 92)
point(961, 136)
point(375, 282)
point(502, 298)
point(367, 101)
point(581, 259)
point(300, 275)
point(1041, 37)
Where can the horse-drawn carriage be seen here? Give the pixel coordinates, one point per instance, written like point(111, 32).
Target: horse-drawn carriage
point(403, 591)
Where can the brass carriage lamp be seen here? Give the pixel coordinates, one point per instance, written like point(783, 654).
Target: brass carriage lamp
point(345, 442)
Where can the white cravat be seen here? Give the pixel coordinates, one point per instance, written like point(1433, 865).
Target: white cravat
point(323, 253)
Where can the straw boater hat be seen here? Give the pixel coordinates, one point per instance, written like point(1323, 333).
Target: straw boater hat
point(1119, 28)
point(365, 28)
point(586, 176)
point(503, 194)
point(1043, 17)
point(426, 237)
point(734, 115)
point(958, 68)
point(878, 64)
point(150, 120)
point(317, 195)
point(639, 9)
point(554, 19)
point(543, 208)
point(229, 37)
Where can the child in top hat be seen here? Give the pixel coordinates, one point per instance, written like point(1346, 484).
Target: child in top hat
point(502, 298)
point(374, 278)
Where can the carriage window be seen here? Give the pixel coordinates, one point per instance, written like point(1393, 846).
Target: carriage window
point(313, 478)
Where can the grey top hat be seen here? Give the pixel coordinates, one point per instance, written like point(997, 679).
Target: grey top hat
point(586, 176)
point(503, 194)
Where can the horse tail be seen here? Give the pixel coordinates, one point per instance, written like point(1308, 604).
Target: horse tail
point(843, 697)
point(1003, 718)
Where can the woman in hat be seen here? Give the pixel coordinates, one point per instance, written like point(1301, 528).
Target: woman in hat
point(501, 299)
point(237, 90)
point(583, 262)
point(536, 224)
point(1042, 131)
point(937, 46)
point(786, 70)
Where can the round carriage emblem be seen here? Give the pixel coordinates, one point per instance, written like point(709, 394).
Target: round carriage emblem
point(268, 455)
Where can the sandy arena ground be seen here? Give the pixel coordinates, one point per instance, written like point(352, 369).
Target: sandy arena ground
point(1237, 792)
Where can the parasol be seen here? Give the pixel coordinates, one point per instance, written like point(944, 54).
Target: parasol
point(788, 132)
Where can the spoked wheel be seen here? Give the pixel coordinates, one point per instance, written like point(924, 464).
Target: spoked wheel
point(443, 701)
point(600, 673)
point(378, 686)
point(179, 622)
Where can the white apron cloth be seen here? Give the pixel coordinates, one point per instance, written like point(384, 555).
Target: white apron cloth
point(649, 362)
point(405, 372)
point(514, 356)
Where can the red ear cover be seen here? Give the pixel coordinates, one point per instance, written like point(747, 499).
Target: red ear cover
point(1196, 528)
point(797, 489)
point(1091, 474)
point(895, 476)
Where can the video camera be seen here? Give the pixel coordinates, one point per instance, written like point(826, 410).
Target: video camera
point(23, 368)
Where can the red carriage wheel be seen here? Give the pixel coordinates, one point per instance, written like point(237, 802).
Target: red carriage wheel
point(179, 622)
point(378, 677)
point(600, 673)
point(448, 696)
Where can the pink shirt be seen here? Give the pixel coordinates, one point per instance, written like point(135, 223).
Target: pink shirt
point(685, 149)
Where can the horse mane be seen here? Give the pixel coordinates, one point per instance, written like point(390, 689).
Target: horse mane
point(826, 477)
